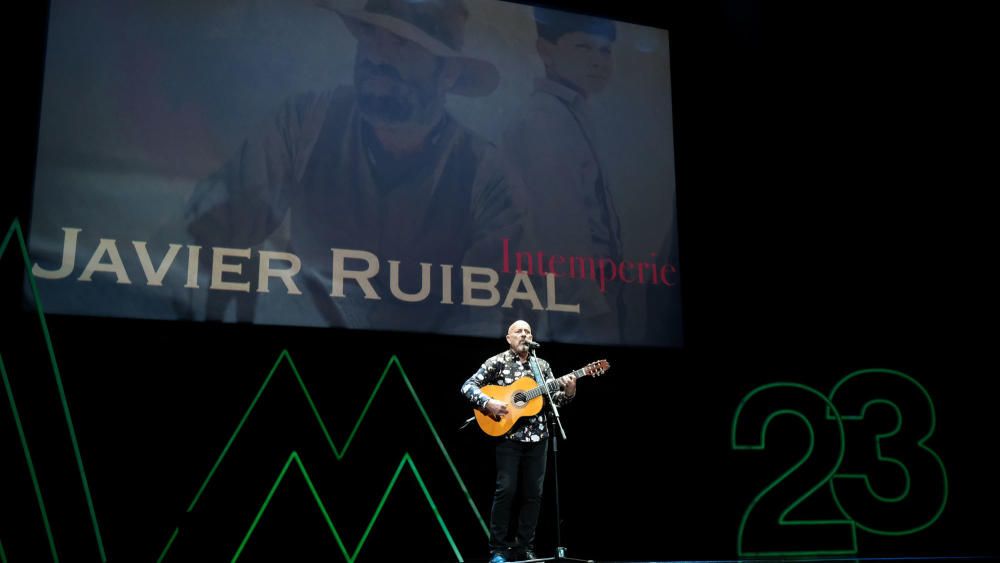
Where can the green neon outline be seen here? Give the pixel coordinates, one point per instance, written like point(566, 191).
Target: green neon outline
point(338, 453)
point(879, 456)
point(170, 542)
point(405, 461)
point(782, 520)
point(15, 229)
point(3, 554)
point(878, 452)
point(27, 459)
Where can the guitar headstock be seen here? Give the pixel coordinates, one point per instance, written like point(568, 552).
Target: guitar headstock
point(596, 368)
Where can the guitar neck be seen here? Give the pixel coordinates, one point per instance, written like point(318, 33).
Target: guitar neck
point(553, 385)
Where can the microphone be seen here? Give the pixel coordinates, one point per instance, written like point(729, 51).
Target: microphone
point(532, 345)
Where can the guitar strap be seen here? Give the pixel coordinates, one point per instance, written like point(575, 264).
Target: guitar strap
point(535, 372)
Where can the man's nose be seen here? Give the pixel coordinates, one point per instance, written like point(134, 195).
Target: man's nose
point(382, 47)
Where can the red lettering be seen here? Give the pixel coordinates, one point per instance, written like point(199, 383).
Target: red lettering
point(526, 255)
point(573, 260)
point(614, 272)
point(621, 271)
point(664, 272)
point(552, 268)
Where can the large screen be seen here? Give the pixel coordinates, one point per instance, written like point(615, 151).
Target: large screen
point(412, 165)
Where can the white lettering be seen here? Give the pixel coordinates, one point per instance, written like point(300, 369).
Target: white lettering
point(521, 278)
point(360, 276)
point(266, 271)
point(155, 277)
point(219, 268)
point(115, 266)
point(551, 297)
point(468, 285)
point(446, 284)
point(192, 277)
point(425, 283)
point(68, 257)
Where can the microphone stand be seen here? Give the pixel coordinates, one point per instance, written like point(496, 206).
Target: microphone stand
point(560, 550)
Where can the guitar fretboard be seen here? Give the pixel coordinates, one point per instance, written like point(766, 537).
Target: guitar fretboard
point(553, 385)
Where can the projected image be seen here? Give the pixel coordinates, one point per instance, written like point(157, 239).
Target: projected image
point(440, 166)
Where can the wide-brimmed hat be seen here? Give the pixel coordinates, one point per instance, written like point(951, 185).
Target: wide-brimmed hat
point(436, 25)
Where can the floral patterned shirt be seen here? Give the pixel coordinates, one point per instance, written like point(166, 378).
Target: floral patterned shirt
point(504, 369)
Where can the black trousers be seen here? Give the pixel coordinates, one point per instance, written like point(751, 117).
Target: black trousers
point(517, 499)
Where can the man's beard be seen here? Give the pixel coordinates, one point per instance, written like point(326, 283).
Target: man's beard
point(390, 109)
point(404, 102)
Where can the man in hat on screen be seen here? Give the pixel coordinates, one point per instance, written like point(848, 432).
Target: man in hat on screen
point(380, 167)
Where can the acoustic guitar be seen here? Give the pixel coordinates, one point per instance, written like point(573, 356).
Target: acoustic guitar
point(524, 397)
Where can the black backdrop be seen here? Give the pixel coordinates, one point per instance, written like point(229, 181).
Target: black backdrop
point(828, 224)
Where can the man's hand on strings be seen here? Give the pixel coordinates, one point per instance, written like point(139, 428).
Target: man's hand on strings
point(496, 409)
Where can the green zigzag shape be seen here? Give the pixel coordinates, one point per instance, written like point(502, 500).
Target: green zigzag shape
point(405, 461)
point(15, 232)
point(284, 356)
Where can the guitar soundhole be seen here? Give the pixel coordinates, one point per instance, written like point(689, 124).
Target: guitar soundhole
point(519, 399)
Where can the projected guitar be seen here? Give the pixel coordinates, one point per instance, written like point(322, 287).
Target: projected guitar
point(524, 397)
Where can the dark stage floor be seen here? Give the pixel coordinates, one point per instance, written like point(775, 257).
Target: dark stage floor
point(929, 559)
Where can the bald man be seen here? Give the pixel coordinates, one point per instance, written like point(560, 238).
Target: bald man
point(521, 452)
